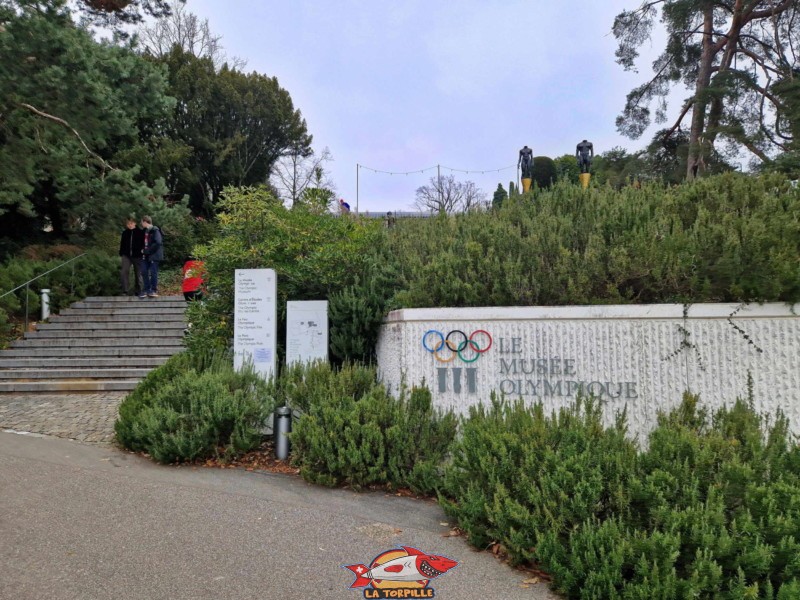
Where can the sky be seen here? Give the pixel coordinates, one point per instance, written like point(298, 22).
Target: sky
point(407, 85)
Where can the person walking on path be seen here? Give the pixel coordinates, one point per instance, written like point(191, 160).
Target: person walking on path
point(130, 252)
point(152, 254)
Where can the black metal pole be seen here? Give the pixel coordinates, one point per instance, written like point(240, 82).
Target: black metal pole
point(439, 179)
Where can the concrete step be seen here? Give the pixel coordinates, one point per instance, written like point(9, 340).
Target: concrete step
point(42, 363)
point(139, 310)
point(68, 386)
point(116, 351)
point(136, 303)
point(103, 342)
point(127, 333)
point(107, 326)
point(98, 344)
point(90, 373)
point(135, 319)
point(123, 299)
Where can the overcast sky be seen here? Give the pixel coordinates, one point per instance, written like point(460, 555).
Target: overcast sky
point(404, 85)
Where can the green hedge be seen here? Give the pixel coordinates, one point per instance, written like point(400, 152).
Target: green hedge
point(305, 386)
point(728, 238)
point(356, 312)
point(195, 406)
point(352, 432)
point(314, 254)
point(92, 275)
point(710, 510)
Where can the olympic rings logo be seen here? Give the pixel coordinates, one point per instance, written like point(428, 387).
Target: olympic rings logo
point(457, 343)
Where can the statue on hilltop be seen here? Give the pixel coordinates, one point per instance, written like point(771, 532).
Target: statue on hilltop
point(584, 152)
point(526, 162)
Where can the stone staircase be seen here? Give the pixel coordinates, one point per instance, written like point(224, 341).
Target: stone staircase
point(97, 344)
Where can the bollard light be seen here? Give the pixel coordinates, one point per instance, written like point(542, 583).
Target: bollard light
point(281, 426)
point(45, 304)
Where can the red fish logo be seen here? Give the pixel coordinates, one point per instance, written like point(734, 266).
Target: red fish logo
point(405, 569)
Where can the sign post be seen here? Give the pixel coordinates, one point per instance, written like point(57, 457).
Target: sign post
point(306, 331)
point(255, 320)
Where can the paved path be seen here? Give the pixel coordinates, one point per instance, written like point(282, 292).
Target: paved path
point(91, 522)
point(82, 417)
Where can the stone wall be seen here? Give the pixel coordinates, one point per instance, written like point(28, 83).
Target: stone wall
point(639, 357)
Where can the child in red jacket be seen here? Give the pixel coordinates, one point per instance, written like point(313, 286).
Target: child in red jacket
point(193, 274)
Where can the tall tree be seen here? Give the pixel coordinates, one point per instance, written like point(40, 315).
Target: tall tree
point(70, 109)
point(187, 31)
point(664, 159)
point(500, 195)
point(118, 13)
point(300, 169)
point(320, 192)
point(446, 194)
point(236, 126)
point(617, 167)
point(730, 54)
point(567, 167)
point(788, 90)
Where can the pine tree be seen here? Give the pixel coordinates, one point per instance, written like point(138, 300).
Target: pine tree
point(499, 196)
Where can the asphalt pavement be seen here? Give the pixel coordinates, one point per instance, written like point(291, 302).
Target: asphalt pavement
point(93, 522)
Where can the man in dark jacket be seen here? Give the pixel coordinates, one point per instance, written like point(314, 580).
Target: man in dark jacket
point(152, 254)
point(130, 252)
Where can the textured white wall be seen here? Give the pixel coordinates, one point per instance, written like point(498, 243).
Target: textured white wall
point(642, 357)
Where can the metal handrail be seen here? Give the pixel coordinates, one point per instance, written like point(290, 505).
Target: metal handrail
point(27, 284)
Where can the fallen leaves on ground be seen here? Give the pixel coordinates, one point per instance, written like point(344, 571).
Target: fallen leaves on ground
point(262, 459)
point(534, 574)
point(403, 493)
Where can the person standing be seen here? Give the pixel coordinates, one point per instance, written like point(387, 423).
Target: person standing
point(152, 254)
point(130, 252)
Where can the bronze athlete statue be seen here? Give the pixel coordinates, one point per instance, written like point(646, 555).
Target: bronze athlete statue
point(526, 162)
point(584, 152)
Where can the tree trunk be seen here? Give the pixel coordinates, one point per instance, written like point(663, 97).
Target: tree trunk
point(731, 41)
point(695, 165)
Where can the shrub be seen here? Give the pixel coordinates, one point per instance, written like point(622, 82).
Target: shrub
point(544, 172)
point(303, 386)
point(195, 407)
point(142, 397)
point(94, 274)
point(710, 510)
point(728, 238)
point(518, 473)
point(567, 168)
point(357, 311)
point(313, 253)
point(358, 435)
